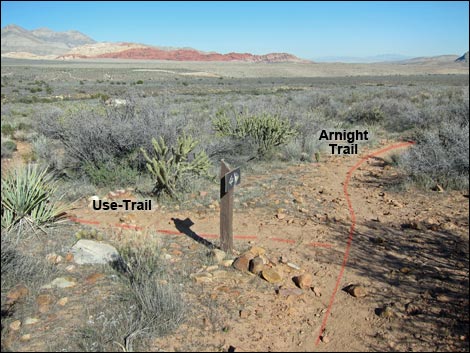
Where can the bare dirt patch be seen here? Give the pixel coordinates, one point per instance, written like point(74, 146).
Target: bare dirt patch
point(410, 254)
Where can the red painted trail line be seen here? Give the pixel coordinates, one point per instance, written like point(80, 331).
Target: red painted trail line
point(291, 241)
point(83, 221)
point(351, 229)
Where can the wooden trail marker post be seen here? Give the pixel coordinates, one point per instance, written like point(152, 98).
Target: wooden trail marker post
point(228, 180)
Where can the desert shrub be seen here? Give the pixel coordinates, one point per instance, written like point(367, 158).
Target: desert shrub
point(170, 166)
point(148, 305)
point(27, 199)
point(441, 155)
point(266, 131)
point(18, 267)
point(112, 173)
point(8, 129)
point(8, 147)
point(46, 151)
point(94, 137)
point(364, 114)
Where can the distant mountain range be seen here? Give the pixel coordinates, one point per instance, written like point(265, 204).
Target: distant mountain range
point(363, 59)
point(44, 43)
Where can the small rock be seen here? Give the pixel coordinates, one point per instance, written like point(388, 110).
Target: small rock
point(244, 314)
point(70, 268)
point(283, 259)
point(257, 251)
point(16, 293)
point(405, 270)
point(203, 277)
point(212, 268)
point(227, 263)
point(44, 301)
point(25, 337)
point(438, 188)
point(31, 321)
point(61, 282)
point(87, 251)
point(356, 291)
point(91, 199)
point(242, 263)
point(69, 257)
point(412, 309)
point(280, 216)
point(396, 203)
point(303, 281)
point(299, 200)
point(218, 255)
point(443, 298)
point(52, 258)
point(271, 275)
point(386, 312)
point(63, 301)
point(325, 339)
point(15, 325)
point(256, 265)
point(294, 266)
point(91, 279)
point(317, 291)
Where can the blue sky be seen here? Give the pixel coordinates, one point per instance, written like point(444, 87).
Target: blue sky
point(306, 29)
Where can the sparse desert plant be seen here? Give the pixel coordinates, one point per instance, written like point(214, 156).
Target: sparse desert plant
point(18, 267)
point(171, 165)
point(441, 155)
point(27, 199)
point(148, 305)
point(266, 130)
point(8, 147)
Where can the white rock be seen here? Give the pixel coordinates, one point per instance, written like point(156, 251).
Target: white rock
point(87, 251)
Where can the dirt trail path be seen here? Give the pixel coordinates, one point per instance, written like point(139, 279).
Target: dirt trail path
point(409, 251)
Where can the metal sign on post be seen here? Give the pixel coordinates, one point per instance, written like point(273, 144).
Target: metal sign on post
point(228, 180)
point(231, 179)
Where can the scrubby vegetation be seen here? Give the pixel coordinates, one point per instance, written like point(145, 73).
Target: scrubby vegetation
point(167, 140)
point(240, 120)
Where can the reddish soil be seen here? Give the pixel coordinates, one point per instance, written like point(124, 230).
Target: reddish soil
point(409, 251)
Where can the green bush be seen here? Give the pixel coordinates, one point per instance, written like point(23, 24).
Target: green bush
point(27, 199)
point(170, 166)
point(111, 174)
point(8, 147)
point(267, 131)
point(8, 129)
point(367, 116)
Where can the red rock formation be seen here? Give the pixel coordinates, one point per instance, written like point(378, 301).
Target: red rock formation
point(150, 53)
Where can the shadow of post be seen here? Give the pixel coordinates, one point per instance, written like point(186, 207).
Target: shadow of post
point(184, 227)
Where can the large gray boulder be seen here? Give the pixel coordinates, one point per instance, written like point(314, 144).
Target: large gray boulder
point(92, 252)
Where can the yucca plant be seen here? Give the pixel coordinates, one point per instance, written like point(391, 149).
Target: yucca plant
point(27, 199)
point(171, 165)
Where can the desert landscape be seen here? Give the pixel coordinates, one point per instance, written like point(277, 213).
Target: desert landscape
point(363, 251)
